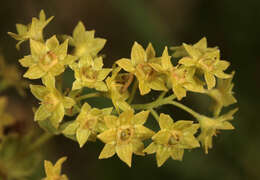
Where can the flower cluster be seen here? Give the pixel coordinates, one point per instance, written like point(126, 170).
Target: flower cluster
point(198, 69)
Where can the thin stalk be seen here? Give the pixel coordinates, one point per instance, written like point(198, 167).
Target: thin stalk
point(86, 96)
point(40, 141)
point(155, 114)
point(132, 95)
point(185, 108)
point(154, 104)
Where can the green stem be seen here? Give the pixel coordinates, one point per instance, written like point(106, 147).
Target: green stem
point(154, 104)
point(40, 141)
point(86, 96)
point(155, 114)
point(132, 95)
point(185, 108)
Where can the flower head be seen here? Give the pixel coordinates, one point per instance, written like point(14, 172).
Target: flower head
point(206, 60)
point(222, 94)
point(53, 172)
point(88, 123)
point(49, 58)
point(90, 73)
point(180, 78)
point(53, 103)
point(116, 90)
point(140, 66)
point(124, 135)
point(84, 41)
point(32, 31)
point(11, 77)
point(209, 127)
point(172, 139)
point(5, 118)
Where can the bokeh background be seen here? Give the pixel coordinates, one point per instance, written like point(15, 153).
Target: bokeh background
point(233, 26)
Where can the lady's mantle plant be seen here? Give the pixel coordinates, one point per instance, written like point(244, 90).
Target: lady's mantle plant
point(121, 128)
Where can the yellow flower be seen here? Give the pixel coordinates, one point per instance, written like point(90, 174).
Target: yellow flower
point(32, 31)
point(5, 118)
point(116, 90)
point(53, 172)
point(125, 135)
point(49, 58)
point(222, 94)
point(172, 139)
point(11, 77)
point(53, 103)
point(207, 60)
point(84, 41)
point(209, 127)
point(180, 78)
point(90, 73)
point(89, 122)
point(140, 66)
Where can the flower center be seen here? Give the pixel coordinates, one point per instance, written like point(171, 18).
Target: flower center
point(48, 61)
point(90, 123)
point(88, 74)
point(51, 101)
point(175, 138)
point(125, 134)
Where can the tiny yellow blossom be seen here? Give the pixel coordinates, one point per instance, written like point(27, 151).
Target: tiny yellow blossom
point(140, 66)
point(207, 60)
point(84, 41)
point(116, 90)
point(222, 94)
point(90, 73)
point(49, 58)
point(89, 122)
point(209, 127)
point(11, 77)
point(5, 118)
point(172, 139)
point(180, 78)
point(53, 103)
point(125, 135)
point(53, 172)
point(32, 31)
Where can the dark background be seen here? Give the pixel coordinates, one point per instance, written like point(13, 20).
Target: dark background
point(234, 26)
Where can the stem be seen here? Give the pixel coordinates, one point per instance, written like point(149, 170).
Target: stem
point(86, 96)
point(40, 141)
point(185, 108)
point(155, 114)
point(132, 95)
point(154, 104)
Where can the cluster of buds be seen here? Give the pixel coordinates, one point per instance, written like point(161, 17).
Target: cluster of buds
point(199, 69)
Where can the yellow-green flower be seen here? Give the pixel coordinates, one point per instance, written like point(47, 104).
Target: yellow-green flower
point(116, 91)
point(5, 118)
point(139, 65)
point(49, 58)
point(53, 172)
point(209, 127)
point(53, 103)
point(180, 78)
point(32, 31)
point(10, 76)
point(222, 94)
point(90, 73)
point(125, 135)
point(84, 41)
point(89, 122)
point(172, 139)
point(207, 60)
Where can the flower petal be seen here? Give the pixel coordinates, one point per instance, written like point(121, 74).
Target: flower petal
point(124, 152)
point(108, 151)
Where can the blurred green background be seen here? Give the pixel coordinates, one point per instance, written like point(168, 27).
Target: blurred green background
point(234, 26)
